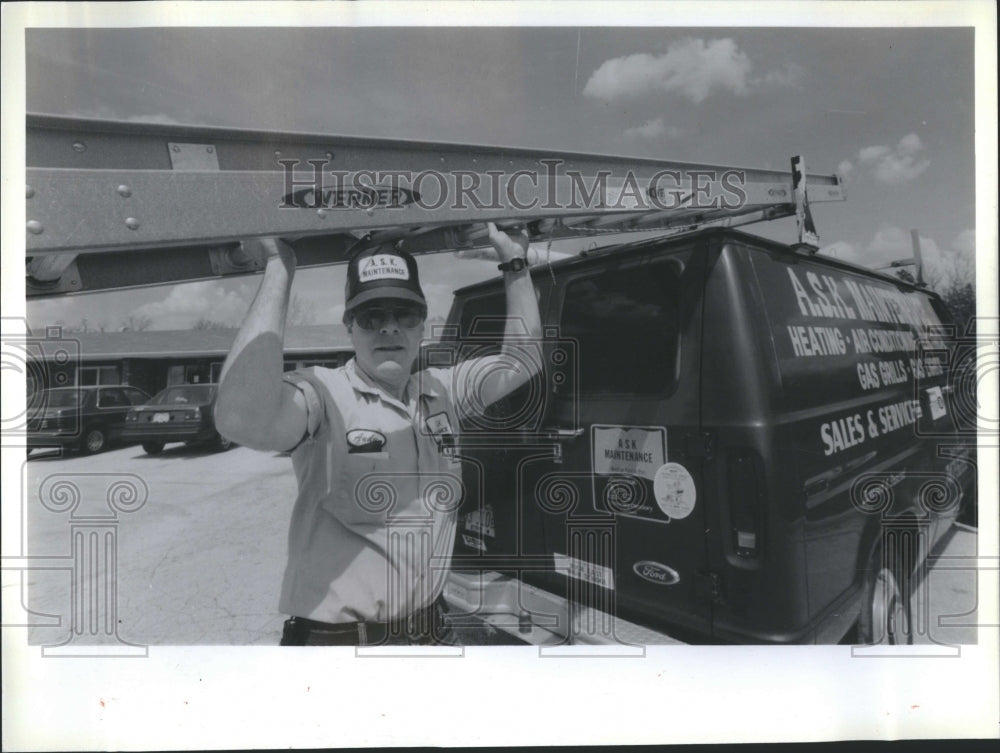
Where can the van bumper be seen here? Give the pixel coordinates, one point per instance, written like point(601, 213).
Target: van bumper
point(491, 608)
point(827, 628)
point(489, 604)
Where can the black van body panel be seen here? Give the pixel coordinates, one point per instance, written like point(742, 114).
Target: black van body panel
point(738, 402)
point(792, 429)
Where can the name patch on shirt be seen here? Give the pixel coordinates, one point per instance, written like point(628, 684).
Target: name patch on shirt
point(365, 440)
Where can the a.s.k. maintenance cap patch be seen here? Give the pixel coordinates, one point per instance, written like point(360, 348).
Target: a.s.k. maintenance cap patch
point(383, 267)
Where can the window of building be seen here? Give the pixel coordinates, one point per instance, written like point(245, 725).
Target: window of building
point(91, 376)
point(197, 373)
point(175, 375)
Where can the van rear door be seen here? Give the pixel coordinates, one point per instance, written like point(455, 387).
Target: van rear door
point(619, 503)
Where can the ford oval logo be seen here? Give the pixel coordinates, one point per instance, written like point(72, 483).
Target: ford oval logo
point(654, 572)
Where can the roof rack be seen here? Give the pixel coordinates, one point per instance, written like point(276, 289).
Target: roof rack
point(114, 205)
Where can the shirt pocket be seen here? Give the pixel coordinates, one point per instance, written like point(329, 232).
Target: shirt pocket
point(366, 491)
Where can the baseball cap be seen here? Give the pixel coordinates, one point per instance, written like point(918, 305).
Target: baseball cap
point(382, 273)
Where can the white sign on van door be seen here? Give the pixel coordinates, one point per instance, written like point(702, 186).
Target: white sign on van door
point(936, 399)
point(632, 450)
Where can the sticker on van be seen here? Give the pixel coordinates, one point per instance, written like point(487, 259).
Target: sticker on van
point(632, 450)
point(481, 521)
point(674, 490)
point(624, 461)
point(590, 572)
point(938, 408)
point(473, 542)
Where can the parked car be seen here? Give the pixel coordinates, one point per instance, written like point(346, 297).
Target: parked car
point(83, 418)
point(181, 413)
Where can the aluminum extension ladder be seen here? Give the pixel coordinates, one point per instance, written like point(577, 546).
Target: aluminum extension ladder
point(114, 205)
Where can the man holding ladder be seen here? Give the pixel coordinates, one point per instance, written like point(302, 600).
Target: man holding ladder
point(373, 525)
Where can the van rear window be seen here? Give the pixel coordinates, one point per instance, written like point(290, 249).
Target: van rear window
point(484, 318)
point(625, 324)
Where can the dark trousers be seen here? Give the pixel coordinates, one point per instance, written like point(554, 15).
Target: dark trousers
point(428, 627)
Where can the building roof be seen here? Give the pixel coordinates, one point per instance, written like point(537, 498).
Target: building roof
point(201, 343)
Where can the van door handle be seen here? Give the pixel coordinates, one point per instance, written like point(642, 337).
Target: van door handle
point(560, 436)
point(563, 434)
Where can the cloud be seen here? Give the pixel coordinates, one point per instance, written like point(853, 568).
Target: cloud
point(909, 144)
point(892, 165)
point(943, 267)
point(896, 171)
point(186, 304)
point(841, 250)
point(692, 67)
point(790, 75)
point(651, 129)
point(890, 242)
point(965, 242)
point(845, 168)
point(873, 153)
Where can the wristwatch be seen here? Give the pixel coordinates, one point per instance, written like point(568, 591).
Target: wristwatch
point(514, 265)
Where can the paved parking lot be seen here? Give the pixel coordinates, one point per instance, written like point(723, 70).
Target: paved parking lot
point(200, 562)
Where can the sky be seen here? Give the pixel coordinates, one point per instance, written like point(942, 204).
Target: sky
point(891, 109)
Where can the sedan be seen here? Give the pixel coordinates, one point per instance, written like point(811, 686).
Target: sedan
point(86, 418)
point(181, 413)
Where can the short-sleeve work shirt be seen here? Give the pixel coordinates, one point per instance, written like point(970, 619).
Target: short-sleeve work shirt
point(373, 525)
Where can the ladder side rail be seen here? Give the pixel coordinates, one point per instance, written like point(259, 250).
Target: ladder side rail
point(86, 143)
point(92, 211)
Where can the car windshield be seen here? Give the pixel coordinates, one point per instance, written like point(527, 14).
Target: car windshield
point(185, 394)
point(69, 398)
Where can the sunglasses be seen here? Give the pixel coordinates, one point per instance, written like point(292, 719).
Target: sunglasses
point(376, 317)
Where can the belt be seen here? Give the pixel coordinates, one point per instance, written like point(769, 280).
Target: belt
point(423, 626)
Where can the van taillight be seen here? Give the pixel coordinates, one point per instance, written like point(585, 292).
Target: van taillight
point(746, 498)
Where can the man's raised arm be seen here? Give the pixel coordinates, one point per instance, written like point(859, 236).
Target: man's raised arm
point(255, 406)
point(523, 322)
